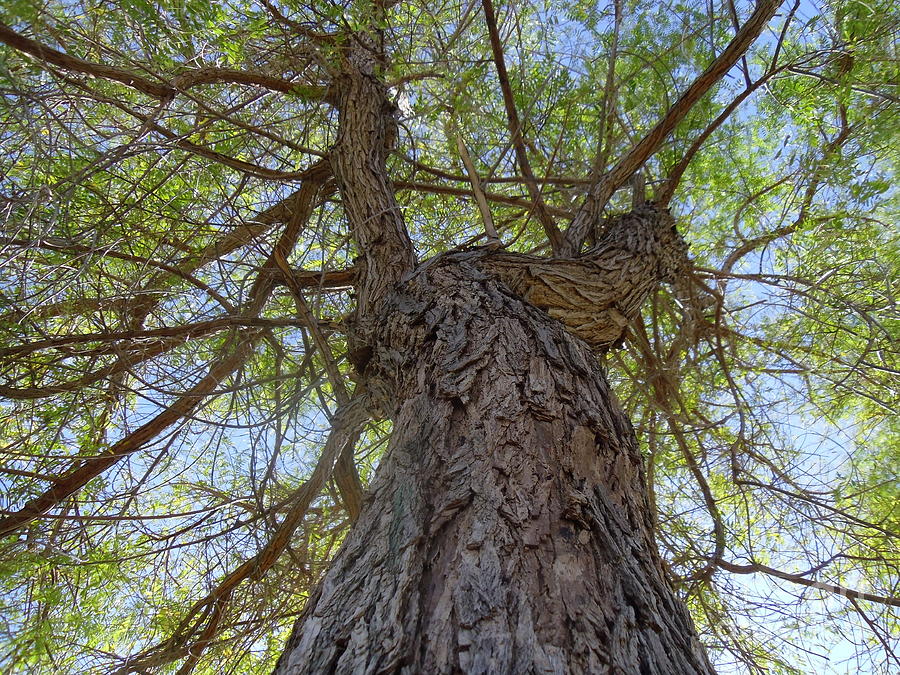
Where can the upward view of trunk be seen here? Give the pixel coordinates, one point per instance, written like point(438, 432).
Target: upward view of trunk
point(508, 529)
point(209, 256)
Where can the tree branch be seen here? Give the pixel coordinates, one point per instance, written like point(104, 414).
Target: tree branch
point(346, 476)
point(49, 55)
point(462, 192)
point(757, 568)
point(664, 196)
point(554, 236)
point(609, 95)
point(480, 199)
point(834, 146)
point(367, 132)
point(81, 472)
point(185, 331)
point(164, 91)
point(205, 615)
point(600, 194)
point(232, 357)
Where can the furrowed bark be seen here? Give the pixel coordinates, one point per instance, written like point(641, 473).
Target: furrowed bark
point(367, 132)
point(597, 295)
point(508, 529)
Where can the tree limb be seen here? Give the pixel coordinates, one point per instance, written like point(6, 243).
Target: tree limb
point(345, 473)
point(757, 568)
point(205, 615)
point(81, 472)
point(483, 207)
point(554, 236)
point(600, 194)
point(462, 192)
point(367, 132)
point(236, 351)
point(164, 91)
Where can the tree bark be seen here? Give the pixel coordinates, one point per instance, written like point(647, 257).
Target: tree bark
point(508, 529)
point(367, 133)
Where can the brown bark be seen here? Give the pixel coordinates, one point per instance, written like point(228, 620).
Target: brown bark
point(597, 295)
point(367, 133)
point(508, 529)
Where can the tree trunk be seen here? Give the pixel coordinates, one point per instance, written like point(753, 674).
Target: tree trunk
point(508, 529)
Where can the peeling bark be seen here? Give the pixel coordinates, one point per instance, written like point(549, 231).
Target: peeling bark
point(508, 529)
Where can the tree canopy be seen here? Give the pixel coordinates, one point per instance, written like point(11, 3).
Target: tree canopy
point(178, 270)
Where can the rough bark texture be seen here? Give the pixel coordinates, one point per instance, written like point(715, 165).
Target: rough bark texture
point(508, 530)
point(367, 133)
point(598, 294)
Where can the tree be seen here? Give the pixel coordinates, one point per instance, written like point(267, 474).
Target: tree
point(315, 313)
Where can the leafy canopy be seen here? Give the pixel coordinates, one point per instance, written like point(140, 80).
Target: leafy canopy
point(153, 158)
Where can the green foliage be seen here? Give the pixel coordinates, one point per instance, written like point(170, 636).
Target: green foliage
point(765, 400)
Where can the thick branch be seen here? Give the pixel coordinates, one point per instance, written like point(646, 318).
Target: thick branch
point(74, 64)
point(674, 177)
point(616, 177)
point(159, 90)
point(334, 279)
point(668, 189)
point(81, 472)
point(366, 134)
point(597, 295)
point(209, 75)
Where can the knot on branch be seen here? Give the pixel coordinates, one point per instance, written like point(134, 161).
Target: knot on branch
point(646, 230)
point(599, 293)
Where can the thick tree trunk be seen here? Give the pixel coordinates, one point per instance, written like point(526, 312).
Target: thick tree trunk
point(508, 529)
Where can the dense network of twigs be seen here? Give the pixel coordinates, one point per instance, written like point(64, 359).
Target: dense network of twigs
point(177, 271)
